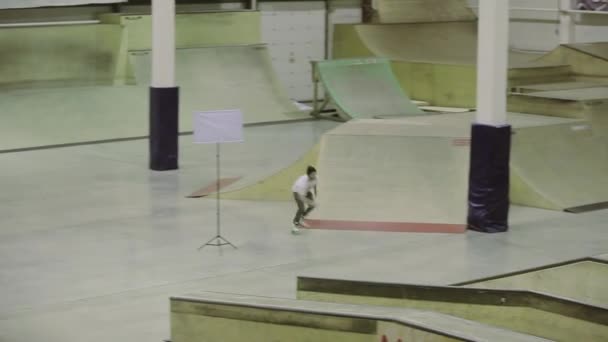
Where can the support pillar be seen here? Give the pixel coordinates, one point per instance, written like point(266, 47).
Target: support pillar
point(566, 22)
point(491, 136)
point(164, 94)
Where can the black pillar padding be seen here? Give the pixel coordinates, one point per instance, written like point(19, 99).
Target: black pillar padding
point(489, 178)
point(164, 120)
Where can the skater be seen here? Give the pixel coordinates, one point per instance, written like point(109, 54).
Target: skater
point(303, 195)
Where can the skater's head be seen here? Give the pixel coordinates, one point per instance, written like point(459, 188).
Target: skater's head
point(311, 172)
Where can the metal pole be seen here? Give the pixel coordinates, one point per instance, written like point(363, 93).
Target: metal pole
point(315, 95)
point(219, 240)
point(217, 160)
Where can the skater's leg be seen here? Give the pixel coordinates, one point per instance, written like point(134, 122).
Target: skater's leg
point(308, 211)
point(310, 203)
point(301, 208)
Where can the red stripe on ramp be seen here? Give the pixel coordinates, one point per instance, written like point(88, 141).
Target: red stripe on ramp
point(461, 142)
point(212, 188)
point(403, 227)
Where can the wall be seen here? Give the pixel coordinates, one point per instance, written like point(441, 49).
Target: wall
point(51, 14)
point(342, 12)
point(296, 32)
point(538, 29)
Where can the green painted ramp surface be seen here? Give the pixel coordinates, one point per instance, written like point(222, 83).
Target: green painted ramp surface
point(237, 77)
point(365, 88)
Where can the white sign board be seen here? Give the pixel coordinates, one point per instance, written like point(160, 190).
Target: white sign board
point(222, 126)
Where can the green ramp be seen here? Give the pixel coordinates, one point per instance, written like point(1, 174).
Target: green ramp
point(364, 88)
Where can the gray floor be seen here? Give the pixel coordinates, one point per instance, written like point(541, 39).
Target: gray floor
point(92, 244)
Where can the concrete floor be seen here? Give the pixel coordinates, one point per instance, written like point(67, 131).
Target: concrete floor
point(92, 244)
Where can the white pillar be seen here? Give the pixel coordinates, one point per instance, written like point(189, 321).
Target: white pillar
point(163, 43)
point(492, 62)
point(566, 23)
point(164, 94)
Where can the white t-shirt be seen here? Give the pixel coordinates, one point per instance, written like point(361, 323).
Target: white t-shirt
point(303, 185)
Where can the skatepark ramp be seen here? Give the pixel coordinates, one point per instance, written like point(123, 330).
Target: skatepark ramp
point(559, 167)
point(225, 77)
point(526, 312)
point(446, 42)
point(393, 175)
point(413, 11)
point(436, 61)
point(232, 318)
point(192, 30)
point(574, 85)
point(276, 187)
point(587, 101)
point(589, 61)
point(556, 163)
point(74, 55)
point(411, 174)
point(97, 90)
point(363, 88)
point(583, 280)
point(419, 172)
point(598, 49)
point(432, 46)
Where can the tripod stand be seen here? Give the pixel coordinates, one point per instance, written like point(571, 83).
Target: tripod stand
point(218, 240)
